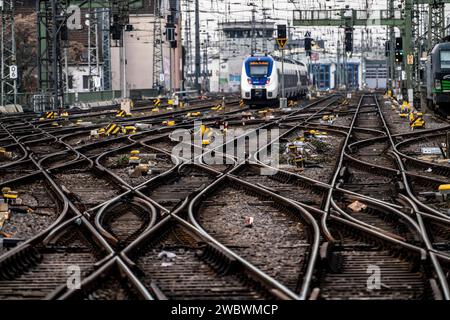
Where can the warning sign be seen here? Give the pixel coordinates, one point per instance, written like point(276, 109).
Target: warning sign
point(282, 42)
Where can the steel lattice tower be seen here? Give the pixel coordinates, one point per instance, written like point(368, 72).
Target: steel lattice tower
point(52, 37)
point(158, 67)
point(436, 23)
point(8, 53)
point(93, 48)
point(107, 80)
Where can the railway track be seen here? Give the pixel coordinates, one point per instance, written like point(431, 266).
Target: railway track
point(402, 270)
point(174, 262)
point(86, 188)
point(38, 270)
point(225, 231)
point(171, 189)
point(223, 211)
point(120, 162)
point(36, 208)
point(289, 186)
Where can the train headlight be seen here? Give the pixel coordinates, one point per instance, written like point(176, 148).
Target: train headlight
point(268, 81)
point(437, 84)
point(249, 81)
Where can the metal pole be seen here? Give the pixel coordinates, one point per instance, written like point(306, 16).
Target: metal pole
point(282, 72)
point(66, 68)
point(197, 45)
point(448, 144)
point(55, 56)
point(283, 102)
point(170, 71)
point(2, 72)
point(124, 69)
point(253, 31)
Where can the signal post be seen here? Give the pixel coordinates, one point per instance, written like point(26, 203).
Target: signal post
point(282, 41)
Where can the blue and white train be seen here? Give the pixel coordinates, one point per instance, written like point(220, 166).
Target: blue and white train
point(261, 80)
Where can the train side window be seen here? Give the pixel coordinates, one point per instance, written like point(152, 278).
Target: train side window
point(445, 59)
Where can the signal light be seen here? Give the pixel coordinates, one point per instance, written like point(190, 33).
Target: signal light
point(308, 44)
point(399, 56)
point(349, 39)
point(399, 43)
point(116, 31)
point(281, 32)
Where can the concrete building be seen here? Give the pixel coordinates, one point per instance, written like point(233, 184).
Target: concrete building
point(140, 49)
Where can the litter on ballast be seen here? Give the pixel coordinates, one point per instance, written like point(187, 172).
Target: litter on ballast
point(167, 255)
point(248, 222)
point(357, 206)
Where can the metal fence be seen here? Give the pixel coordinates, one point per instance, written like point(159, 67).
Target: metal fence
point(32, 101)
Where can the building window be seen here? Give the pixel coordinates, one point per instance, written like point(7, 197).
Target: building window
point(85, 82)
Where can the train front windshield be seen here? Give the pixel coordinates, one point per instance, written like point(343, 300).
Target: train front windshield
point(445, 59)
point(259, 69)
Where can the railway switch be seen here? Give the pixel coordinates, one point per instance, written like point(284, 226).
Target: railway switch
point(48, 116)
point(9, 196)
point(157, 102)
point(169, 123)
point(416, 120)
point(122, 114)
point(129, 130)
point(112, 129)
point(405, 107)
point(134, 161)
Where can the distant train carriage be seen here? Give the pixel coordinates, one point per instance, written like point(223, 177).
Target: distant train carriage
point(261, 80)
point(438, 78)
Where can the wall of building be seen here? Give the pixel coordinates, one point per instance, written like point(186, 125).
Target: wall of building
point(139, 52)
point(139, 57)
point(78, 76)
